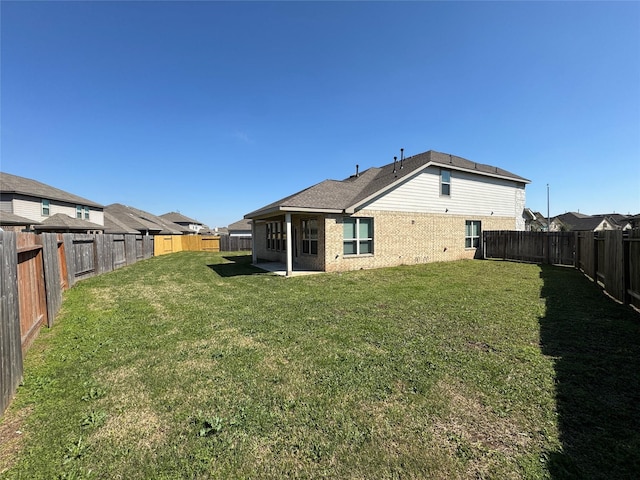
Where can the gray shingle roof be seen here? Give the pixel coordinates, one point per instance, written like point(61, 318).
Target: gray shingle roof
point(177, 217)
point(575, 221)
point(7, 218)
point(113, 225)
point(60, 221)
point(243, 224)
point(142, 221)
point(25, 186)
point(335, 196)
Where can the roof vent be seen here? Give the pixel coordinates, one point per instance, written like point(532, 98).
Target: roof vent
point(357, 170)
point(395, 159)
point(401, 157)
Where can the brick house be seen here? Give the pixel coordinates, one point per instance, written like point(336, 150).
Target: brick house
point(426, 208)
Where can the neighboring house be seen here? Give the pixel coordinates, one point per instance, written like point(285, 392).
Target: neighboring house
point(623, 222)
point(574, 221)
point(425, 208)
point(534, 221)
point(123, 216)
point(241, 228)
point(48, 207)
point(178, 218)
point(62, 223)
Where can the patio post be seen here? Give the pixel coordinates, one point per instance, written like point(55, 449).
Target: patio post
point(287, 218)
point(254, 253)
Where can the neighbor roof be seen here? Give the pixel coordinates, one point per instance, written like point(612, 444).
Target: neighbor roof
point(580, 222)
point(177, 217)
point(113, 225)
point(60, 221)
point(337, 196)
point(32, 188)
point(244, 224)
point(7, 218)
point(143, 221)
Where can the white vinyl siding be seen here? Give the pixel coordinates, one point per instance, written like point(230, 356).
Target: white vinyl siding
point(31, 208)
point(471, 194)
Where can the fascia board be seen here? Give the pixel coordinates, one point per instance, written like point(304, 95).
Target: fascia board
point(261, 214)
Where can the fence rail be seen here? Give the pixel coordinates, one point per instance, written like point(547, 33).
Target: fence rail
point(610, 258)
point(36, 269)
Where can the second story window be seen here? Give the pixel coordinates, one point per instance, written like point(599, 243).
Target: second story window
point(78, 211)
point(86, 213)
point(45, 207)
point(445, 183)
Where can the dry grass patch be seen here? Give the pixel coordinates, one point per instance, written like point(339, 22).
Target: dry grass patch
point(11, 436)
point(131, 417)
point(474, 433)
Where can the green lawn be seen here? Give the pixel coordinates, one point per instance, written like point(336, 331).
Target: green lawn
point(197, 365)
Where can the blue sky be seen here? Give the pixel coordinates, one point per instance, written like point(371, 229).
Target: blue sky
point(215, 109)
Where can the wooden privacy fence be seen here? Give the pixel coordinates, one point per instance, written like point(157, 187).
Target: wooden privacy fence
point(180, 243)
point(229, 243)
point(610, 258)
point(35, 270)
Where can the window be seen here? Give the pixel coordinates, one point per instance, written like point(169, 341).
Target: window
point(358, 236)
point(86, 213)
point(45, 207)
point(78, 211)
point(276, 236)
point(471, 234)
point(445, 183)
point(310, 236)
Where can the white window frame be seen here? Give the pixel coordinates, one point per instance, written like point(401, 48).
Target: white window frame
point(79, 209)
point(357, 238)
point(45, 207)
point(469, 237)
point(86, 212)
point(445, 183)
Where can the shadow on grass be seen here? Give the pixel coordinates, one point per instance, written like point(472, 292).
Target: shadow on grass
point(596, 345)
point(240, 265)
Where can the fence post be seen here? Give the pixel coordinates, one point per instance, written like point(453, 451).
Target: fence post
point(70, 255)
point(594, 241)
point(11, 366)
point(626, 271)
point(51, 275)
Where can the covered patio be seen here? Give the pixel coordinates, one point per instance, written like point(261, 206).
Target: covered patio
point(280, 268)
